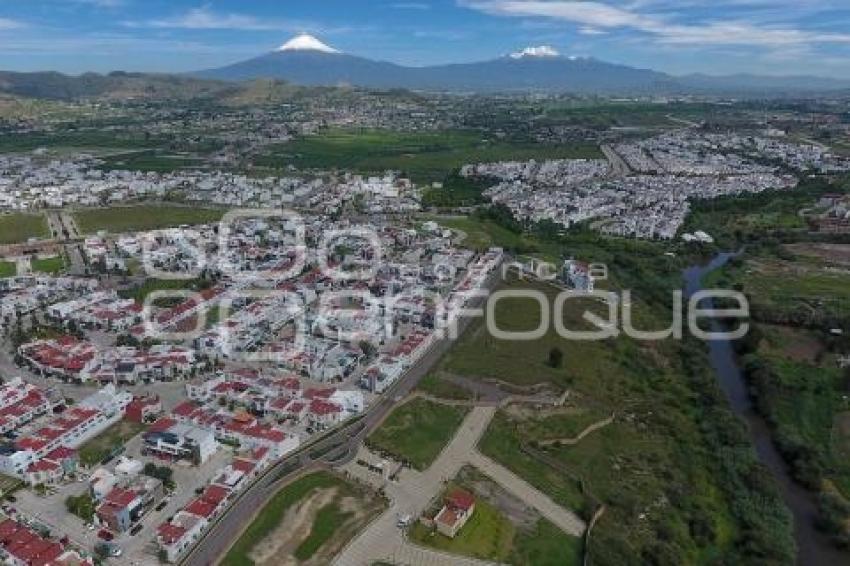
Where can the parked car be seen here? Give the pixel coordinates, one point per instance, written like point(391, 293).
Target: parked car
point(105, 535)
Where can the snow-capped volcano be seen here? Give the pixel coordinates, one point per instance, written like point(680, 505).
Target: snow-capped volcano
point(539, 51)
point(306, 42)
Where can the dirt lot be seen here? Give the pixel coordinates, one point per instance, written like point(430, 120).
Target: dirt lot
point(795, 344)
point(833, 254)
point(280, 547)
point(517, 512)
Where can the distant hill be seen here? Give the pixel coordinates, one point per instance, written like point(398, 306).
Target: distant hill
point(118, 85)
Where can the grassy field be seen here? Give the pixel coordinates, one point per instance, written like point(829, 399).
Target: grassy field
point(417, 431)
point(150, 160)
point(9, 484)
point(328, 518)
point(482, 234)
point(791, 285)
point(546, 545)
point(437, 386)
point(99, 447)
point(330, 527)
point(19, 227)
point(753, 218)
point(8, 269)
point(83, 506)
point(425, 156)
point(673, 434)
point(152, 285)
point(78, 140)
point(143, 217)
point(51, 265)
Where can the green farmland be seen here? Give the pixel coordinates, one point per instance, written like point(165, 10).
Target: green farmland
point(19, 227)
point(425, 156)
point(143, 217)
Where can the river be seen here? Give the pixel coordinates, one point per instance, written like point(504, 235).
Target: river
point(813, 548)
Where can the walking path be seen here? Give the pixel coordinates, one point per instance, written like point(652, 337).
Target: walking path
point(413, 491)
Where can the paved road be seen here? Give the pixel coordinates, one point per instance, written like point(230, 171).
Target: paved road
point(413, 491)
point(564, 519)
point(620, 167)
point(411, 495)
point(337, 449)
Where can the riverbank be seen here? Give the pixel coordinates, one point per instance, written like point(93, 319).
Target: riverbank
point(813, 547)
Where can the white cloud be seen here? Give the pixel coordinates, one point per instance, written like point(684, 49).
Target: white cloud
point(587, 30)
point(102, 3)
point(6, 23)
point(411, 6)
point(599, 16)
point(204, 18)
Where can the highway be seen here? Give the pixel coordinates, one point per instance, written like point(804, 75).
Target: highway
point(337, 449)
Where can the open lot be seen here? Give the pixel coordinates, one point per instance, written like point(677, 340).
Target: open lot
point(19, 227)
point(8, 484)
point(122, 219)
point(8, 268)
point(51, 265)
point(307, 522)
point(99, 447)
point(417, 431)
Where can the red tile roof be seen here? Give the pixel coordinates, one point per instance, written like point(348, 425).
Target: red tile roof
point(200, 508)
point(460, 499)
point(170, 533)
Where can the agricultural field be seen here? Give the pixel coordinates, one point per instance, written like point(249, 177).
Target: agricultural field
point(150, 160)
point(95, 450)
point(417, 431)
point(20, 227)
point(803, 284)
point(425, 156)
point(308, 521)
point(72, 140)
point(117, 220)
point(627, 115)
point(665, 438)
point(502, 529)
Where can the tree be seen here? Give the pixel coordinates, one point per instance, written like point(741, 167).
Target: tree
point(556, 358)
point(368, 349)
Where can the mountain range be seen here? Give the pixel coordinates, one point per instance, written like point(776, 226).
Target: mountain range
point(306, 61)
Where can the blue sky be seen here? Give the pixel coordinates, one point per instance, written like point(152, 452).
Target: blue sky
point(678, 36)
